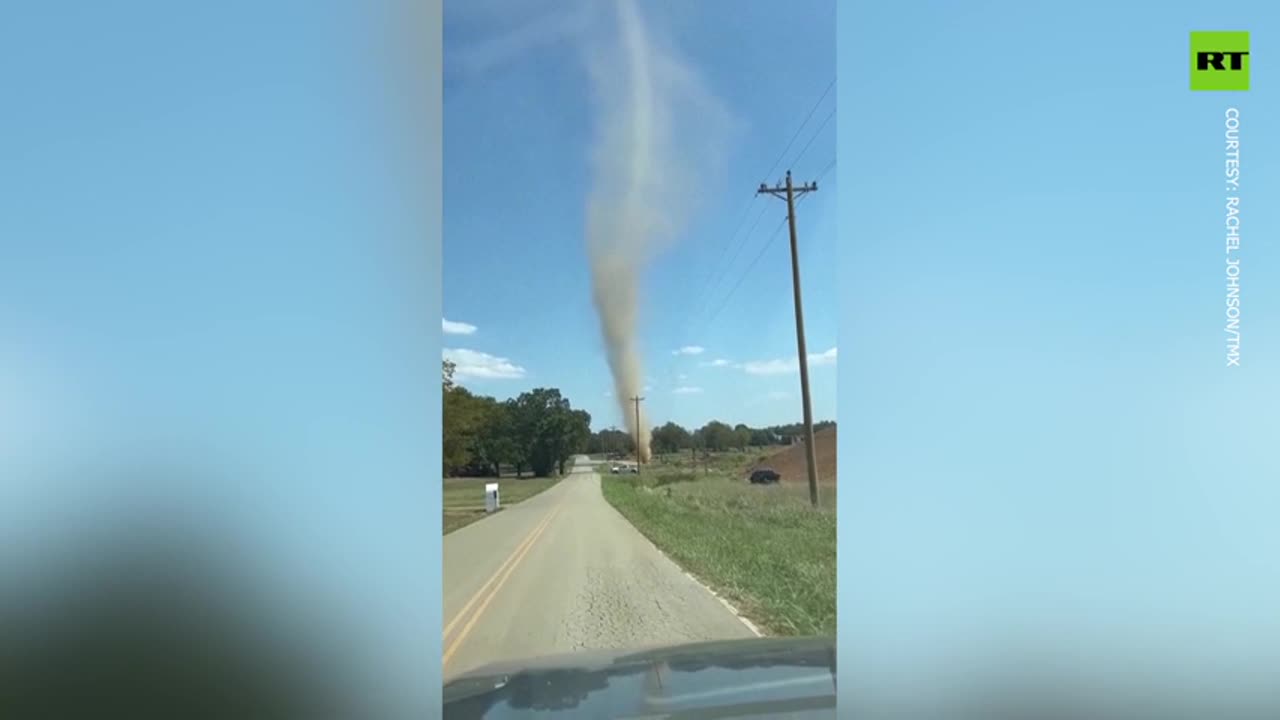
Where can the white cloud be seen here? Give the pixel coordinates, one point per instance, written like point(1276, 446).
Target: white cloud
point(682, 377)
point(482, 366)
point(517, 35)
point(457, 328)
point(770, 367)
point(769, 397)
point(719, 362)
point(686, 390)
point(689, 350)
point(826, 358)
point(780, 366)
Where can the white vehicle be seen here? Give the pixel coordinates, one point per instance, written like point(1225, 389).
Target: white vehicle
point(615, 470)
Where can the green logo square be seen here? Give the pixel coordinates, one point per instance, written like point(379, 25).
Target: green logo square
point(1219, 61)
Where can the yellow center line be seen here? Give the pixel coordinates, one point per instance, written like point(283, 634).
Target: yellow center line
point(474, 598)
point(475, 617)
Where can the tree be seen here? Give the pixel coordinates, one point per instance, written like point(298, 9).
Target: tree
point(717, 436)
point(544, 428)
point(670, 438)
point(449, 368)
point(509, 445)
point(491, 446)
point(461, 420)
point(522, 428)
point(556, 435)
point(614, 441)
point(573, 428)
point(581, 437)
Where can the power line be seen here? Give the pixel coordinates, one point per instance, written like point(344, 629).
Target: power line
point(708, 283)
point(801, 128)
point(809, 116)
point(704, 295)
point(747, 272)
point(825, 170)
point(769, 243)
point(813, 137)
point(746, 213)
point(831, 164)
point(724, 267)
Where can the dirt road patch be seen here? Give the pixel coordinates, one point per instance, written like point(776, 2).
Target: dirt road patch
point(790, 461)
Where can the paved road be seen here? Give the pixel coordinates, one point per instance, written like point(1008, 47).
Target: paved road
point(563, 571)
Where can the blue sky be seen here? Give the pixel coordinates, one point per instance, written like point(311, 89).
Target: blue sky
point(518, 125)
point(1044, 435)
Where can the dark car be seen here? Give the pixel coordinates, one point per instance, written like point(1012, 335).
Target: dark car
point(765, 476)
point(756, 677)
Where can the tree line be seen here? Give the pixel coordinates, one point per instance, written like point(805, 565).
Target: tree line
point(714, 436)
point(538, 431)
point(718, 436)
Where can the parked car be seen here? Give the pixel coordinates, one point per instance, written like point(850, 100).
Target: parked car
point(635, 469)
point(615, 469)
point(765, 476)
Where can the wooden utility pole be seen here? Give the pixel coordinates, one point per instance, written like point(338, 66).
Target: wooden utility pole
point(637, 400)
point(790, 192)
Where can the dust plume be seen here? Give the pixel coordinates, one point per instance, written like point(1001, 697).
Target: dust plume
point(658, 137)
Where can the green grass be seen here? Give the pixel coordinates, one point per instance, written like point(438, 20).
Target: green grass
point(464, 497)
point(763, 547)
point(732, 463)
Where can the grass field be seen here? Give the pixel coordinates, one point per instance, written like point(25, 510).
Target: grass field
point(763, 547)
point(729, 463)
point(464, 497)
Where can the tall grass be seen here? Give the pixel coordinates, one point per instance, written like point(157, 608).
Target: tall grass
point(763, 547)
point(464, 497)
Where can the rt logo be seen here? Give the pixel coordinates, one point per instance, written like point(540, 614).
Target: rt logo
point(1219, 61)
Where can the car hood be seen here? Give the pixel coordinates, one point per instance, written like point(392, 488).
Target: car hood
point(766, 677)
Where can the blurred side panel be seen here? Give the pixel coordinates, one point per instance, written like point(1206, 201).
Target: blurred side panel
point(1058, 500)
point(219, 346)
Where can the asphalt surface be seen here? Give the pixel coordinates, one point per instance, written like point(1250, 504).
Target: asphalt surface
point(562, 572)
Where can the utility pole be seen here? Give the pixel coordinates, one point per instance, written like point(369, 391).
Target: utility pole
point(790, 192)
point(637, 400)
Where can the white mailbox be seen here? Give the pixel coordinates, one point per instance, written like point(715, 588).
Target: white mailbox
point(491, 497)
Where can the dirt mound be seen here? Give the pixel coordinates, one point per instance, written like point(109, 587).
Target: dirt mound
point(790, 462)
